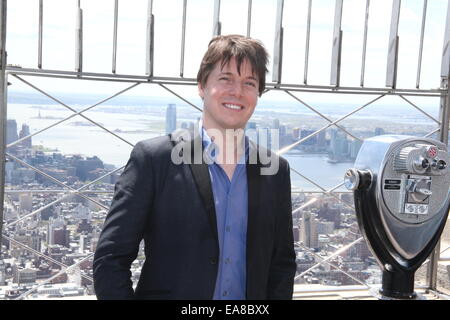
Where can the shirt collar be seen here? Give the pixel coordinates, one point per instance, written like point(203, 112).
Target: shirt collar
point(211, 150)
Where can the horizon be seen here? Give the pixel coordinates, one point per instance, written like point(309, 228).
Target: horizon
point(14, 95)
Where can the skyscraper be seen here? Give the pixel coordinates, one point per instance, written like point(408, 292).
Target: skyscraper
point(308, 231)
point(57, 232)
point(23, 133)
point(2, 273)
point(171, 118)
point(321, 139)
point(310, 141)
point(339, 145)
point(82, 243)
point(276, 124)
point(11, 131)
point(379, 131)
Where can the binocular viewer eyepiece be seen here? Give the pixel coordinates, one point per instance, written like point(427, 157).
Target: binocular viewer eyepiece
point(401, 193)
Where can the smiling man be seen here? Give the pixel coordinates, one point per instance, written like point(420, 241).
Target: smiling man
point(214, 226)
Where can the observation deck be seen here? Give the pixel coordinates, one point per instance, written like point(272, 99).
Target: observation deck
point(82, 82)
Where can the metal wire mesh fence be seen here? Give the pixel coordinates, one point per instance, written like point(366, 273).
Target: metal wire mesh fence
point(55, 202)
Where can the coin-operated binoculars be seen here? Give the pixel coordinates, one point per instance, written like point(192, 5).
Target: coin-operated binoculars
point(401, 192)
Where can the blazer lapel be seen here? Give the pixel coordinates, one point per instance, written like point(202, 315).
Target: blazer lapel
point(202, 180)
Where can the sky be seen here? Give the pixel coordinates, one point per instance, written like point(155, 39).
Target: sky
point(59, 39)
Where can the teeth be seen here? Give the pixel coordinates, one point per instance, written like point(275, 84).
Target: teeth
point(233, 106)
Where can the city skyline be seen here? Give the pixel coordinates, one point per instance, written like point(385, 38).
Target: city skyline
point(70, 228)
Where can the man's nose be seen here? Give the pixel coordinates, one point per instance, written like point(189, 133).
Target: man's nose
point(236, 89)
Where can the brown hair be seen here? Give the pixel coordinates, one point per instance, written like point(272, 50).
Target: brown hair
point(223, 48)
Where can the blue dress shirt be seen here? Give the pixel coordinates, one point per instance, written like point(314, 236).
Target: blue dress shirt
point(231, 203)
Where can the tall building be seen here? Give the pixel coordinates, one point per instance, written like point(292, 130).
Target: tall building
point(23, 133)
point(276, 124)
point(61, 236)
point(2, 273)
point(24, 238)
point(57, 232)
point(333, 137)
point(35, 240)
point(24, 275)
point(379, 131)
point(308, 231)
point(311, 141)
point(339, 145)
point(321, 139)
point(171, 118)
point(11, 131)
point(82, 243)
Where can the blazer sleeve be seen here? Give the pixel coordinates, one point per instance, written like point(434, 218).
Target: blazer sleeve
point(283, 265)
point(123, 229)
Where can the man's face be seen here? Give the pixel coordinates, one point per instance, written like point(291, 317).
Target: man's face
point(229, 98)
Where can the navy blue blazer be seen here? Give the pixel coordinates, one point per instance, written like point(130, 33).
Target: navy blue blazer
point(171, 207)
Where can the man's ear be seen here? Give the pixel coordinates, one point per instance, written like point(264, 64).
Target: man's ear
point(200, 90)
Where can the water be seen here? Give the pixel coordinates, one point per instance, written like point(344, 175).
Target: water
point(77, 135)
point(138, 122)
point(316, 167)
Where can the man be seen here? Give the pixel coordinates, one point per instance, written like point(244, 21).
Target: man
point(214, 223)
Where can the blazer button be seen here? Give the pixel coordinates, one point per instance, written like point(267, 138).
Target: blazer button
point(213, 260)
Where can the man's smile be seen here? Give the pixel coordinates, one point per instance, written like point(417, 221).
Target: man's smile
point(233, 106)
